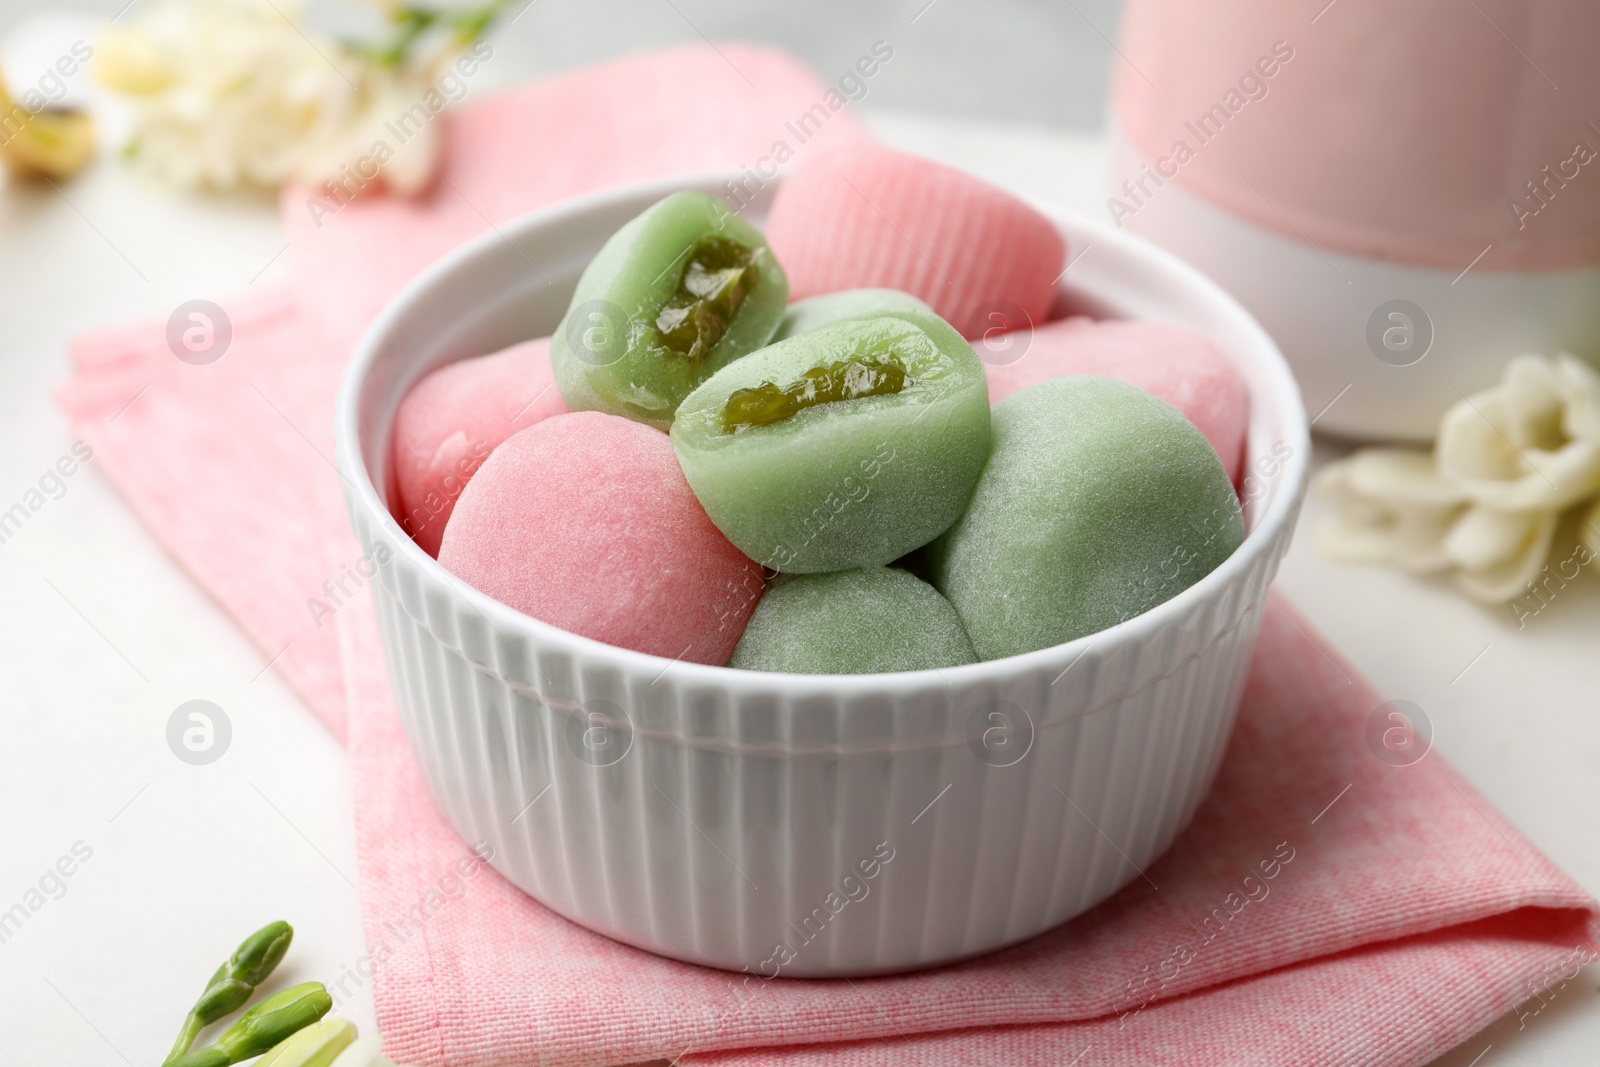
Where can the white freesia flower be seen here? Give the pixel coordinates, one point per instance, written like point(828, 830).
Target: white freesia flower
point(1484, 506)
point(1531, 442)
point(1496, 553)
point(1389, 506)
point(1589, 529)
point(238, 92)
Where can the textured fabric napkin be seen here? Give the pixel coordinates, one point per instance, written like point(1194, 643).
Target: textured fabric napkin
point(1401, 914)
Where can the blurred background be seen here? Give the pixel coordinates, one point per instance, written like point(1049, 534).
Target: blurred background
point(1012, 61)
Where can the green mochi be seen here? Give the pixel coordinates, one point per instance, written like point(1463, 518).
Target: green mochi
point(868, 621)
point(852, 483)
point(806, 315)
point(1098, 502)
point(610, 352)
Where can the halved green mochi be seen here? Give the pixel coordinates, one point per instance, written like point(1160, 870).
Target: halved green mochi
point(806, 315)
point(1098, 502)
point(844, 447)
point(680, 291)
point(866, 621)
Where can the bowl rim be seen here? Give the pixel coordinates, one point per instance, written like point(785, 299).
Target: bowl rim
point(1269, 531)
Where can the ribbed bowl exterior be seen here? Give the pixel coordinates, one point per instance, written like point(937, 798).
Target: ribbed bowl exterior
point(805, 826)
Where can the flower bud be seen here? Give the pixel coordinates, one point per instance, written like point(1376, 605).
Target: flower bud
point(262, 951)
point(275, 1019)
point(221, 999)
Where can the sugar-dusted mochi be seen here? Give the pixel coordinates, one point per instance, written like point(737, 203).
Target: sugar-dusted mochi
point(1180, 366)
point(805, 484)
point(681, 290)
point(806, 315)
point(866, 621)
point(871, 216)
point(585, 521)
point(453, 418)
point(1098, 502)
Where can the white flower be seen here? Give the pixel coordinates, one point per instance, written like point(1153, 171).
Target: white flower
point(1531, 442)
point(1589, 529)
point(1495, 553)
point(1484, 506)
point(1389, 506)
point(239, 92)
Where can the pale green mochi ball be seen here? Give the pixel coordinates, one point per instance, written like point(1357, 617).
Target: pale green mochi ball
point(847, 446)
point(804, 316)
point(1098, 502)
point(683, 289)
point(866, 621)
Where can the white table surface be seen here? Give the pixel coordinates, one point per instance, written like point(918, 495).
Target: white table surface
point(102, 636)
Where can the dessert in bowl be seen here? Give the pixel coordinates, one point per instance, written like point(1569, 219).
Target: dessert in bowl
point(808, 824)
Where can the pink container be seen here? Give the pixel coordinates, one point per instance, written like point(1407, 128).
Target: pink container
point(1405, 195)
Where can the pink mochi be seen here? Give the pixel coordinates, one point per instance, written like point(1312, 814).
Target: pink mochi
point(869, 217)
point(585, 521)
point(1180, 366)
point(453, 418)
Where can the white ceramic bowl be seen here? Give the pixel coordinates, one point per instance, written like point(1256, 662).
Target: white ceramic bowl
point(806, 824)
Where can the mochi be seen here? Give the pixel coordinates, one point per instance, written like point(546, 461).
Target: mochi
point(1180, 366)
point(806, 315)
point(453, 418)
point(844, 447)
point(681, 290)
point(1098, 503)
point(866, 621)
point(873, 217)
point(585, 521)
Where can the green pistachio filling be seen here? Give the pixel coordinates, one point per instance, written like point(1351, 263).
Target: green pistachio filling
point(719, 275)
point(849, 379)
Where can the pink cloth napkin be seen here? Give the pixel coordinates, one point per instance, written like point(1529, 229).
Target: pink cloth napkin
point(1402, 913)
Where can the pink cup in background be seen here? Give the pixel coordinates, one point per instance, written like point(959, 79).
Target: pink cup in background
point(1405, 195)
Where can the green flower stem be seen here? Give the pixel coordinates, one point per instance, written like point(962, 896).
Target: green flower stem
point(192, 1025)
point(213, 1056)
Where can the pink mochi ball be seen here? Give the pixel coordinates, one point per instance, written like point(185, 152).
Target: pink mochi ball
point(1180, 366)
point(453, 418)
point(585, 521)
point(869, 217)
